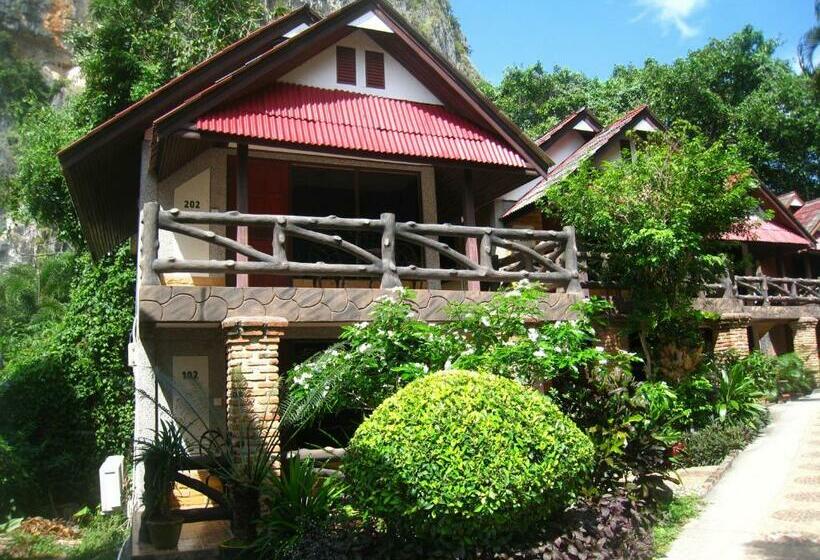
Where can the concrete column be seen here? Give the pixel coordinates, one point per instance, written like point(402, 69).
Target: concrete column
point(252, 346)
point(732, 333)
point(805, 344)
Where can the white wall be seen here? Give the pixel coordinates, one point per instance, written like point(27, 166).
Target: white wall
point(198, 186)
point(320, 71)
point(567, 143)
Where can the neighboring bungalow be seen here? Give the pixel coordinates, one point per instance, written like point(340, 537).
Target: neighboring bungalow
point(774, 263)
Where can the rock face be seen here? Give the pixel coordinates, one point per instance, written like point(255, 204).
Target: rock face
point(38, 29)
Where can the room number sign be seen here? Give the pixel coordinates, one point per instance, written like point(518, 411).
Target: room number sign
point(191, 398)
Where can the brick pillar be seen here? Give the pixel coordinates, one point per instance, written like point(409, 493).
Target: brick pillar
point(732, 333)
point(805, 344)
point(252, 345)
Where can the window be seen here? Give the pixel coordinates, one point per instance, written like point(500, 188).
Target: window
point(374, 69)
point(346, 65)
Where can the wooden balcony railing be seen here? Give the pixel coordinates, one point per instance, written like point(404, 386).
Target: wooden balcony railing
point(768, 290)
point(544, 256)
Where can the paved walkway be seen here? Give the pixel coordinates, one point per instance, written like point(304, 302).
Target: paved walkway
point(767, 505)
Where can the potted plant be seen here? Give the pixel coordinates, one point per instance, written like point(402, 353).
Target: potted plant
point(244, 460)
point(163, 457)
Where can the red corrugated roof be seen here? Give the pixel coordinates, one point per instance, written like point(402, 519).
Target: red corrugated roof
point(575, 159)
point(353, 121)
point(768, 232)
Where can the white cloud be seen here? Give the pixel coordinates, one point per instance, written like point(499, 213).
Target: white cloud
point(673, 12)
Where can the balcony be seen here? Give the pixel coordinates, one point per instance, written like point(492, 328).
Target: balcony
point(359, 257)
point(767, 291)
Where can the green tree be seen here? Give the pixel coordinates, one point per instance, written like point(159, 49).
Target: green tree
point(128, 48)
point(32, 296)
point(657, 217)
point(537, 99)
point(733, 89)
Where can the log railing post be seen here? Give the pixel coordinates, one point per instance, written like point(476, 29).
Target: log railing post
point(486, 252)
point(279, 253)
point(150, 243)
point(571, 260)
point(390, 278)
point(764, 289)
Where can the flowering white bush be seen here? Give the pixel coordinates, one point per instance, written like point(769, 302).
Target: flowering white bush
point(505, 336)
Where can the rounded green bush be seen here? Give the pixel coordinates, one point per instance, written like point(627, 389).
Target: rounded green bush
point(466, 457)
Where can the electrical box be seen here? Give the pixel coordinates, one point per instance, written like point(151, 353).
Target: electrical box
point(112, 473)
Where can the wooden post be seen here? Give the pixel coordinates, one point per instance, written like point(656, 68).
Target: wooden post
point(242, 206)
point(571, 261)
point(468, 210)
point(390, 279)
point(486, 251)
point(764, 289)
point(149, 249)
point(279, 253)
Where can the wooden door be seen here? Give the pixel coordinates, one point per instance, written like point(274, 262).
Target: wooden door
point(268, 193)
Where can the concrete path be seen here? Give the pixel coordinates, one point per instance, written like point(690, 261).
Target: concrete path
point(767, 505)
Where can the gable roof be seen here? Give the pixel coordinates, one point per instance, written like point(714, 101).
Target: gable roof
point(791, 199)
point(567, 123)
point(580, 155)
point(311, 116)
point(102, 168)
point(809, 216)
point(455, 90)
point(784, 227)
point(103, 178)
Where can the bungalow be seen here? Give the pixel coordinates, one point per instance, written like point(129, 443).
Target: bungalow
point(274, 190)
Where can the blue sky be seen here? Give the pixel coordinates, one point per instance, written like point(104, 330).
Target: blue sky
point(594, 35)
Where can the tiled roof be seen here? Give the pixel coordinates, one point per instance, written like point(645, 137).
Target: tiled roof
point(768, 232)
point(809, 215)
point(306, 115)
point(575, 159)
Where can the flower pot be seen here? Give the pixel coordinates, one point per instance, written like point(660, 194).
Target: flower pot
point(164, 533)
point(246, 513)
point(234, 549)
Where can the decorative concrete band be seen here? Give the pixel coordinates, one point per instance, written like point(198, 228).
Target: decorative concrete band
point(805, 344)
point(304, 305)
point(252, 348)
point(732, 334)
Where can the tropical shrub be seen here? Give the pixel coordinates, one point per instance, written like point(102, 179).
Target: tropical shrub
point(298, 502)
point(738, 397)
point(628, 427)
point(465, 458)
point(710, 445)
point(696, 397)
point(792, 376)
